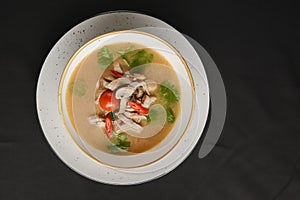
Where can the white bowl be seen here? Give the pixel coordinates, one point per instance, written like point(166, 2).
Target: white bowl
point(187, 99)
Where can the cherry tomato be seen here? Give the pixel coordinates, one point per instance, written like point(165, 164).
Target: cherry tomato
point(108, 125)
point(108, 101)
point(116, 74)
point(138, 107)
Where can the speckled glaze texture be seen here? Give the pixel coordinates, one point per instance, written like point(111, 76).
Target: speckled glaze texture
point(48, 107)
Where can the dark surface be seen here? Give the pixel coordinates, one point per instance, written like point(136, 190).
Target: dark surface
point(255, 46)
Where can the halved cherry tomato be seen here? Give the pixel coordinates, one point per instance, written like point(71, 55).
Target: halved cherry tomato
point(116, 74)
point(108, 101)
point(138, 107)
point(108, 125)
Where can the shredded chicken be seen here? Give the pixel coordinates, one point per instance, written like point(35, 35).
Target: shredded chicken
point(117, 83)
point(127, 125)
point(148, 101)
point(135, 116)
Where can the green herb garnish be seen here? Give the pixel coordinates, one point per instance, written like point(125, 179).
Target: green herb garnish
point(105, 57)
point(123, 144)
point(127, 50)
point(169, 92)
point(122, 137)
point(112, 116)
point(137, 58)
point(170, 115)
point(119, 141)
point(148, 119)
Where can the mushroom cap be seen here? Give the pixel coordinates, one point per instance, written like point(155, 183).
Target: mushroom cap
point(124, 92)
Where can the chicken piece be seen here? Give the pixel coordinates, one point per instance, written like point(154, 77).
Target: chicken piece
point(147, 101)
point(135, 116)
point(127, 125)
point(117, 83)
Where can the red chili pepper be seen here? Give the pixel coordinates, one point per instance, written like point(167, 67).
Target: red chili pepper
point(108, 125)
point(138, 107)
point(116, 74)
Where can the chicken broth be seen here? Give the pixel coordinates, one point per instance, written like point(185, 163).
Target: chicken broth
point(123, 98)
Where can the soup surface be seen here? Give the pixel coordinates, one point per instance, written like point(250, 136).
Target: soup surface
point(123, 98)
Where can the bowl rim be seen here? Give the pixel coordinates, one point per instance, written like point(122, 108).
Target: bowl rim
point(60, 96)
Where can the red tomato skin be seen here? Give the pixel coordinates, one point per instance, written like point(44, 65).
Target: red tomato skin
point(108, 101)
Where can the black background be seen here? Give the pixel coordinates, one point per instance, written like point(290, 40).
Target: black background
point(255, 46)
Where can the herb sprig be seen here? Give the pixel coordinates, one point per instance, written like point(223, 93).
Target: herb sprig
point(105, 57)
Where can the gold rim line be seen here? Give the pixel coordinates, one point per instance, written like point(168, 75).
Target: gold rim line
point(61, 107)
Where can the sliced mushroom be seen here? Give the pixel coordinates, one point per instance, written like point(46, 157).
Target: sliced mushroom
point(124, 93)
point(123, 104)
point(147, 101)
point(117, 83)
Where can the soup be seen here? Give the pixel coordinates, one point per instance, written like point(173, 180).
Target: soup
point(123, 98)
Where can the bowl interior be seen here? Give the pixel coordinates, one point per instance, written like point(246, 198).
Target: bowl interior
point(186, 99)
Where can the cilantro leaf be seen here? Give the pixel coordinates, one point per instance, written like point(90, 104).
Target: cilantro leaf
point(122, 137)
point(127, 50)
point(170, 115)
point(105, 57)
point(169, 92)
point(119, 141)
point(123, 144)
point(137, 58)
